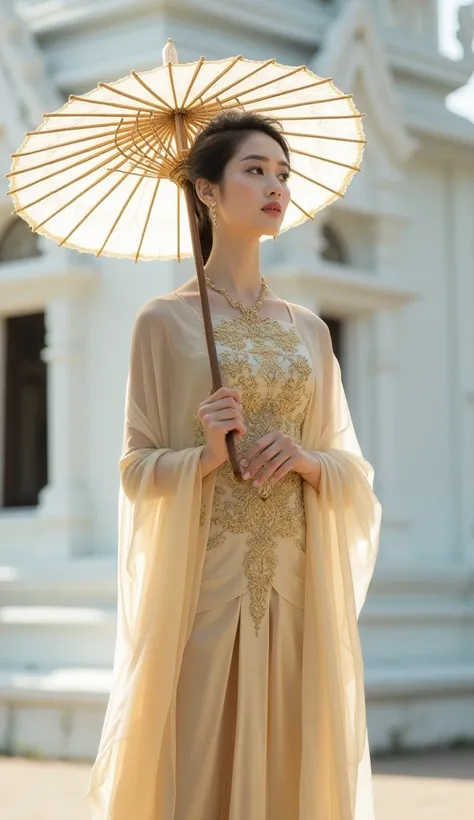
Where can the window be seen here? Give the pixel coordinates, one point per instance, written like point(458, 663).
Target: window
point(18, 241)
point(25, 431)
point(333, 249)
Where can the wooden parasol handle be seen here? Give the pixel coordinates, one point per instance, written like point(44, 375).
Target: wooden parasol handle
point(206, 312)
point(209, 330)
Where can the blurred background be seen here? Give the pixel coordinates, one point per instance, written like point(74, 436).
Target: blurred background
point(391, 270)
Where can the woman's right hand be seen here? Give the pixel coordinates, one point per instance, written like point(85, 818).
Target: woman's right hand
point(219, 414)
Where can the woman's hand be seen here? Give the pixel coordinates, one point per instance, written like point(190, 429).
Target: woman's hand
point(219, 414)
point(276, 454)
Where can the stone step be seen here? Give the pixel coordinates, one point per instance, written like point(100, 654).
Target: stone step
point(57, 712)
point(82, 581)
point(415, 706)
point(36, 637)
point(56, 685)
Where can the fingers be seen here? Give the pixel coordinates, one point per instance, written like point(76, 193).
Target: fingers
point(220, 414)
point(272, 456)
point(259, 446)
point(217, 406)
point(276, 469)
point(221, 400)
point(214, 417)
point(227, 426)
point(257, 463)
point(239, 427)
point(215, 413)
point(226, 392)
point(266, 466)
point(225, 420)
point(286, 467)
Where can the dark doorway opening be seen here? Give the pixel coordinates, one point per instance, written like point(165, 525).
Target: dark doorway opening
point(336, 329)
point(25, 431)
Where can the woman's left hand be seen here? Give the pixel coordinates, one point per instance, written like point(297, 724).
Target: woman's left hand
point(276, 454)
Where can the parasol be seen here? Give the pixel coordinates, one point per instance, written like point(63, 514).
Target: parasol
point(106, 173)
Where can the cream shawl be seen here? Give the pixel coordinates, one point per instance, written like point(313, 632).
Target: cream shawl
point(162, 546)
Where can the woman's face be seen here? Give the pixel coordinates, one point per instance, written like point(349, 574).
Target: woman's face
point(254, 178)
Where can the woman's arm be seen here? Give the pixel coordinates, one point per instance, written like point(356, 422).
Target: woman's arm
point(145, 459)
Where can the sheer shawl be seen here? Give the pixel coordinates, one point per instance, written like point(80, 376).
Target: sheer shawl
point(162, 542)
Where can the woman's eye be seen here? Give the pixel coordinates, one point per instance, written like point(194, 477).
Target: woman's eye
point(285, 175)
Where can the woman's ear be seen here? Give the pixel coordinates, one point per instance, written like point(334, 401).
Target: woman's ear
point(204, 191)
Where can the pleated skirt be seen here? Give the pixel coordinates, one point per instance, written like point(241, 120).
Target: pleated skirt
point(238, 714)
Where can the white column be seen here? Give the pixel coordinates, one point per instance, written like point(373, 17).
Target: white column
point(462, 294)
point(65, 498)
point(384, 371)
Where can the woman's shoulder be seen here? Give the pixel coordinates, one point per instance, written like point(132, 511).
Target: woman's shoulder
point(308, 317)
point(158, 320)
point(158, 309)
point(161, 310)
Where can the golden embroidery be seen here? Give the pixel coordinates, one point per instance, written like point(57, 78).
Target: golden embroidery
point(263, 358)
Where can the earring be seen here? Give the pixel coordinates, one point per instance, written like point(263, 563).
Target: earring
point(213, 207)
point(275, 236)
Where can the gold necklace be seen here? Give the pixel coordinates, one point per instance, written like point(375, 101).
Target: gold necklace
point(250, 312)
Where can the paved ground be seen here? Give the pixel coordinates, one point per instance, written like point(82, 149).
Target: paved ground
point(439, 786)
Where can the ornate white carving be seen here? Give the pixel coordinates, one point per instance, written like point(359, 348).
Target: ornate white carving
point(353, 47)
point(23, 71)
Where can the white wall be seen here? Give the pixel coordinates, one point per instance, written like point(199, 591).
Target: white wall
point(429, 441)
point(124, 289)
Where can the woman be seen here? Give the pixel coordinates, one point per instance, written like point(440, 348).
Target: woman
point(238, 682)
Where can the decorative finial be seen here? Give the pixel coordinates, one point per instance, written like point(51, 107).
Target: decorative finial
point(170, 55)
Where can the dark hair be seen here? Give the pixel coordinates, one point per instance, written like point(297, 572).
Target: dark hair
point(214, 147)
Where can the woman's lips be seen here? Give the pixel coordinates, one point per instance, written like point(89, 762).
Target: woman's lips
point(273, 210)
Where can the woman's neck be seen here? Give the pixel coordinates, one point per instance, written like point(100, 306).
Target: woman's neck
point(235, 266)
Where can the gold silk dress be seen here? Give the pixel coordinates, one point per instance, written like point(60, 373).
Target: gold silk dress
point(238, 685)
point(238, 706)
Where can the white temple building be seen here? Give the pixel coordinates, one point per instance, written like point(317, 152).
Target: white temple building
point(390, 268)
